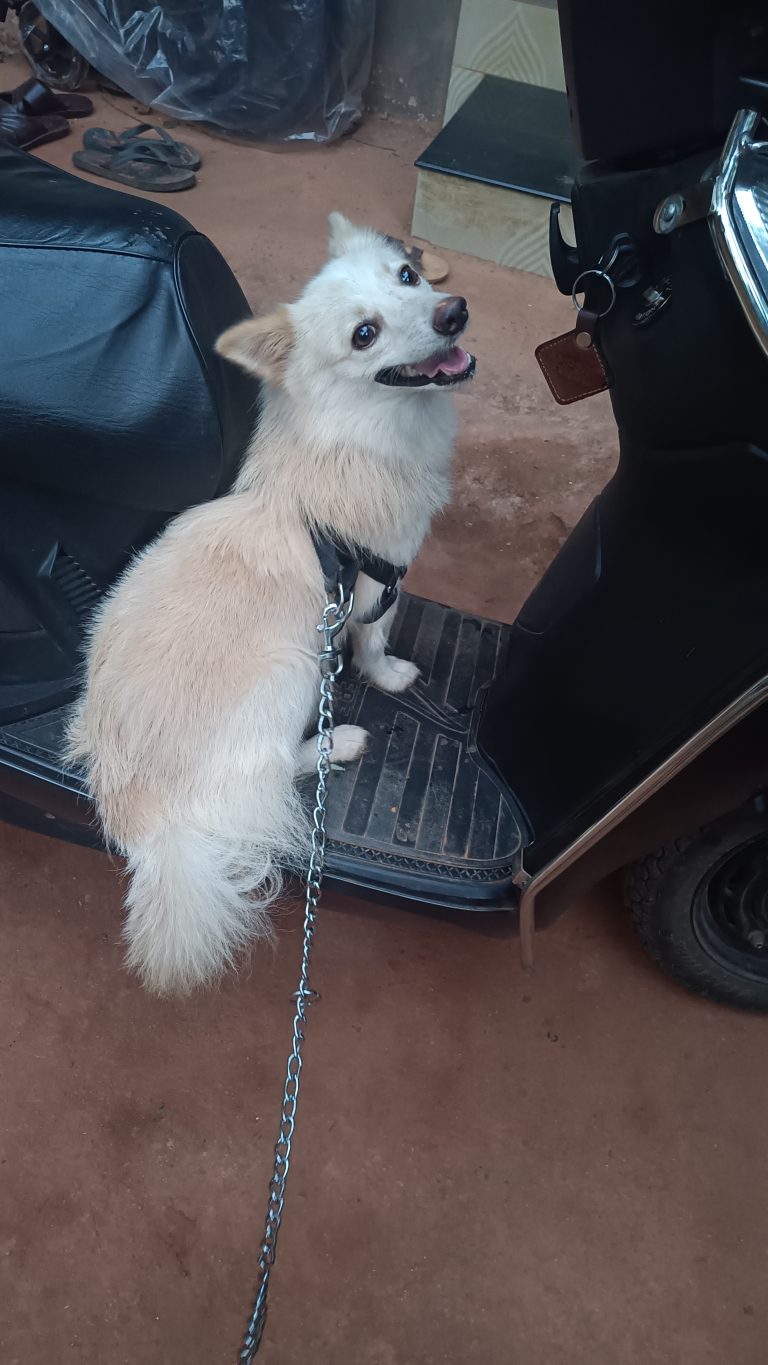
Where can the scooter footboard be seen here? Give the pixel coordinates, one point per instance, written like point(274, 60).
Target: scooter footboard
point(420, 816)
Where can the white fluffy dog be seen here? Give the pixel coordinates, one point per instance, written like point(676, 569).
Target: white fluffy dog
point(202, 672)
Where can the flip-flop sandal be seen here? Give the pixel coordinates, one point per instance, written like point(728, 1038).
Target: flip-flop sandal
point(175, 153)
point(139, 164)
point(23, 131)
point(433, 267)
point(36, 100)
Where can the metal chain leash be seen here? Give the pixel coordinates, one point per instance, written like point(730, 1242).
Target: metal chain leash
point(335, 616)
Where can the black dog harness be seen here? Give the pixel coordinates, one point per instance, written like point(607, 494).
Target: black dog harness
point(341, 565)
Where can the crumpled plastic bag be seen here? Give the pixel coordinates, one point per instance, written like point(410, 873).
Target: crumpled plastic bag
point(287, 70)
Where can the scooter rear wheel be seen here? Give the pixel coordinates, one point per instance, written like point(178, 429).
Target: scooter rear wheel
point(700, 906)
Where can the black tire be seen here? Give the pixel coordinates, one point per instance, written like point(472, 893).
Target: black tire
point(700, 906)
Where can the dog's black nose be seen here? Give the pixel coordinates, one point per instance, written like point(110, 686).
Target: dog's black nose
point(451, 316)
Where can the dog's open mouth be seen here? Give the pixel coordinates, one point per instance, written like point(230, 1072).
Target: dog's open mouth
point(447, 367)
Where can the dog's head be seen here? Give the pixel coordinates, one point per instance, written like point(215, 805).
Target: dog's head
point(368, 316)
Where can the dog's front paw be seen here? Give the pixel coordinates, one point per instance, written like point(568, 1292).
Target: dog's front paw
point(349, 743)
point(393, 675)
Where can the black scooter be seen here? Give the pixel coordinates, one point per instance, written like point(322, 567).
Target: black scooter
point(623, 719)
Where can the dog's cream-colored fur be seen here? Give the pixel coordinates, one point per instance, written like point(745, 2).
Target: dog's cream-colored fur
point(202, 672)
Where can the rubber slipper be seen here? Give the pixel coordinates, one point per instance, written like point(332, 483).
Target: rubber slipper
point(36, 100)
point(175, 153)
point(23, 131)
point(139, 164)
point(433, 267)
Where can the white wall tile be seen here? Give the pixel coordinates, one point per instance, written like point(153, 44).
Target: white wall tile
point(517, 40)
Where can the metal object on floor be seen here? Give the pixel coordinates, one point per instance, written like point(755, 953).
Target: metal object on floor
point(335, 615)
point(53, 60)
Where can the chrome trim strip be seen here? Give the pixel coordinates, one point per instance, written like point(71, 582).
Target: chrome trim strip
point(718, 726)
point(727, 242)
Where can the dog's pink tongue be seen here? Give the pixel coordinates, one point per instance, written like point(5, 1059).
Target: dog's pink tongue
point(454, 361)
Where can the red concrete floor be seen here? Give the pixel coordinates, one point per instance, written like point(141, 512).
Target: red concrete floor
point(566, 1169)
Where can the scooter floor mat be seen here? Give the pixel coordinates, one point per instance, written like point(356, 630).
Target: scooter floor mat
point(419, 815)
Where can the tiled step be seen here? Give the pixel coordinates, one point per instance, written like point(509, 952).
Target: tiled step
point(517, 39)
point(486, 181)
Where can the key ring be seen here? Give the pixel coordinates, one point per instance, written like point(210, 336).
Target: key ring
point(601, 274)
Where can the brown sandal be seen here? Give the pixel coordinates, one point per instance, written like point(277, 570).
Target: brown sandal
point(21, 130)
point(36, 100)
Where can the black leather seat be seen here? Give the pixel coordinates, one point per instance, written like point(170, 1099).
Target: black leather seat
point(115, 411)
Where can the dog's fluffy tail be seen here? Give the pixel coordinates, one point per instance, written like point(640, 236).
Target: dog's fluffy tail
point(195, 900)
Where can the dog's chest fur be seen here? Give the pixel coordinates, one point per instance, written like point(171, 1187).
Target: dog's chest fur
point(375, 472)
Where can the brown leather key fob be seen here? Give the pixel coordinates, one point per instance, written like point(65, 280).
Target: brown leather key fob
point(572, 364)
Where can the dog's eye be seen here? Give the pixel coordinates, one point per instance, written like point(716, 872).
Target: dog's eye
point(407, 275)
point(364, 335)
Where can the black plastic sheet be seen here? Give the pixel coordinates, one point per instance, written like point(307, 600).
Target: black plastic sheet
point(261, 69)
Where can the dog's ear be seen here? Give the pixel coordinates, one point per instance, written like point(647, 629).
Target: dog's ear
point(345, 236)
point(260, 345)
